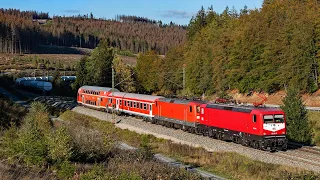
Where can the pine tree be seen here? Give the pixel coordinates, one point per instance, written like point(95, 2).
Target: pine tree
point(298, 128)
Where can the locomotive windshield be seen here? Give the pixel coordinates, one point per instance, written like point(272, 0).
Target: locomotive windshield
point(277, 118)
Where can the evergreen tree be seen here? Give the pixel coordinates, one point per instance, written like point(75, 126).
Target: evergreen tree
point(298, 128)
point(99, 66)
point(81, 74)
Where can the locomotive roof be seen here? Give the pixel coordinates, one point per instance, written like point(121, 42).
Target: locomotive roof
point(180, 101)
point(97, 88)
point(136, 96)
point(239, 108)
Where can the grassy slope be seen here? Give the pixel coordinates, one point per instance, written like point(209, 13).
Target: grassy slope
point(230, 165)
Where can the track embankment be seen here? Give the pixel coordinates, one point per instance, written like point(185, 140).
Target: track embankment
point(295, 158)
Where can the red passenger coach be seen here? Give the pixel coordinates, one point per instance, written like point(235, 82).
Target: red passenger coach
point(261, 128)
point(92, 96)
point(133, 104)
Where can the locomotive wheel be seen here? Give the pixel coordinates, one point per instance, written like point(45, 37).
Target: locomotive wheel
point(210, 133)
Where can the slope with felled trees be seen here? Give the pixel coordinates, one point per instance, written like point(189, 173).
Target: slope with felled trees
point(23, 32)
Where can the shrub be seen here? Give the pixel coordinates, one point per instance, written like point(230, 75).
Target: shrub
point(66, 170)
point(298, 128)
point(60, 149)
point(98, 172)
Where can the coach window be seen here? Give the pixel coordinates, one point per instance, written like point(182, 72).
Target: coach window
point(120, 102)
point(138, 105)
point(144, 106)
point(134, 104)
point(254, 118)
point(141, 105)
point(190, 108)
point(130, 102)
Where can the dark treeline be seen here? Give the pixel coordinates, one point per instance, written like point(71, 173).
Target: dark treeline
point(23, 31)
point(265, 49)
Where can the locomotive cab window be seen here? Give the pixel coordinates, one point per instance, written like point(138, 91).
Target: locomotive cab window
point(268, 118)
point(278, 118)
point(254, 118)
point(198, 109)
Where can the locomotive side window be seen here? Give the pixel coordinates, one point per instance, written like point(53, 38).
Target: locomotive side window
point(190, 108)
point(254, 118)
point(268, 118)
point(278, 118)
point(198, 109)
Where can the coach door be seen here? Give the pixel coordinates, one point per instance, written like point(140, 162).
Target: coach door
point(150, 108)
point(99, 101)
point(82, 98)
point(117, 104)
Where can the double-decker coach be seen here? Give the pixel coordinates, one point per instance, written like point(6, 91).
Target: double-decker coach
point(93, 96)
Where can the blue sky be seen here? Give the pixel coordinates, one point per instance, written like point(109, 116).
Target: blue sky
point(177, 11)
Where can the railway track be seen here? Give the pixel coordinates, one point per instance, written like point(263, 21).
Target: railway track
point(303, 157)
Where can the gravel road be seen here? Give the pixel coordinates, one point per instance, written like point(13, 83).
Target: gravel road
point(302, 160)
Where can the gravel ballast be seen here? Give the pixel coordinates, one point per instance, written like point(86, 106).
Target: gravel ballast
point(288, 158)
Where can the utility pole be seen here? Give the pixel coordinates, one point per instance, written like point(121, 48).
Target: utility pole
point(184, 79)
point(112, 91)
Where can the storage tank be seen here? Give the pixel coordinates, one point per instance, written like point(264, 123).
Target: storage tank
point(43, 85)
point(68, 78)
point(39, 85)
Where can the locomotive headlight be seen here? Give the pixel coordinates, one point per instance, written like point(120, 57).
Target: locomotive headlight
point(264, 133)
point(283, 132)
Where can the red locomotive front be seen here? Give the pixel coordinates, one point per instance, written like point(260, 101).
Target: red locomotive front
point(261, 128)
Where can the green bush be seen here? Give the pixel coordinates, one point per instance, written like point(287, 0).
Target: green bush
point(66, 170)
point(98, 172)
point(60, 148)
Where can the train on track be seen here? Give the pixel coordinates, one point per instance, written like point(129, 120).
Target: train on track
point(258, 127)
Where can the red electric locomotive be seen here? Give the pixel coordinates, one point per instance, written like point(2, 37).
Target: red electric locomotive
point(261, 128)
point(184, 114)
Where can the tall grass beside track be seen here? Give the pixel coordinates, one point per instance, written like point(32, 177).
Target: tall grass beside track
point(226, 164)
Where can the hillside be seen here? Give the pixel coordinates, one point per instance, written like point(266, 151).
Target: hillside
point(23, 32)
point(267, 49)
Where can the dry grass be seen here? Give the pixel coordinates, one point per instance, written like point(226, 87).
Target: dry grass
point(230, 165)
point(19, 172)
point(27, 61)
point(95, 146)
